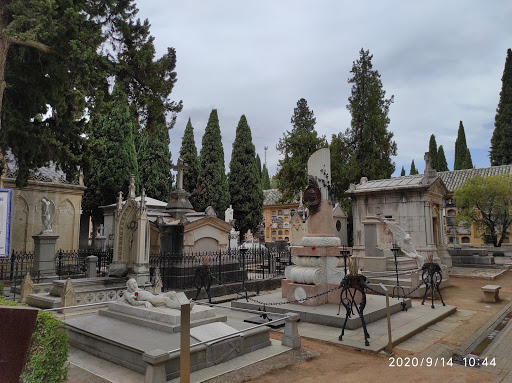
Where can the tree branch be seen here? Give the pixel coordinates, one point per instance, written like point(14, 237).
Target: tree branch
point(31, 43)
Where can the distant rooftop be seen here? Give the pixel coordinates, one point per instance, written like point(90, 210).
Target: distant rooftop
point(414, 181)
point(272, 196)
point(456, 178)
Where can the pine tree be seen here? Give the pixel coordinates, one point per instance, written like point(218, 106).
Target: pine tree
point(432, 149)
point(297, 146)
point(265, 179)
point(212, 189)
point(402, 173)
point(115, 157)
point(413, 169)
point(461, 150)
point(441, 160)
point(370, 141)
point(188, 153)
point(154, 161)
point(501, 141)
point(244, 181)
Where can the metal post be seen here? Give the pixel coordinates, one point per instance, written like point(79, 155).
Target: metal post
point(185, 344)
point(243, 252)
point(389, 347)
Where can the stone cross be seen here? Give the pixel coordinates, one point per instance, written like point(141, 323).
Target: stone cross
point(427, 158)
point(180, 166)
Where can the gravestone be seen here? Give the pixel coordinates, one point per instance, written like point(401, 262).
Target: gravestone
point(317, 262)
point(131, 244)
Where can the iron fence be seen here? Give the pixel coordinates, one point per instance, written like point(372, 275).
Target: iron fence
point(66, 264)
point(177, 270)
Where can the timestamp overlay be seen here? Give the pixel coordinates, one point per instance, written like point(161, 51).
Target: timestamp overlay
point(413, 361)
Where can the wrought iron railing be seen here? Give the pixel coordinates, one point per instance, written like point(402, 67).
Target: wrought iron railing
point(177, 270)
point(67, 264)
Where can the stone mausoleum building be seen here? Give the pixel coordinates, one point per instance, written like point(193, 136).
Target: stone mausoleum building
point(44, 183)
point(413, 202)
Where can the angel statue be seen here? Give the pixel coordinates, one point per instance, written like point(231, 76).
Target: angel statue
point(403, 240)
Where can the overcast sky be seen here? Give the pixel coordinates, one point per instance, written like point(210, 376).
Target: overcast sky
point(442, 61)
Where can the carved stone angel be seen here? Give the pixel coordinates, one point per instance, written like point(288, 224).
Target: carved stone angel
point(404, 241)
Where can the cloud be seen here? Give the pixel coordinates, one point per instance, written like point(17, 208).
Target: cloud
point(443, 62)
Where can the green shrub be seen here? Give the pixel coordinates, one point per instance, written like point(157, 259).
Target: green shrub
point(498, 254)
point(1, 289)
point(48, 352)
point(5, 302)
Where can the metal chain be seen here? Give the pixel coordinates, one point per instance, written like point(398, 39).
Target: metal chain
point(398, 296)
point(390, 275)
point(279, 303)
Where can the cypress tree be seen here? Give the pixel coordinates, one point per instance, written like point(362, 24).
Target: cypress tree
point(441, 160)
point(265, 179)
point(468, 163)
point(413, 169)
point(258, 165)
point(154, 160)
point(461, 149)
point(115, 157)
point(501, 141)
point(432, 149)
point(188, 153)
point(244, 181)
point(212, 189)
point(402, 173)
point(297, 146)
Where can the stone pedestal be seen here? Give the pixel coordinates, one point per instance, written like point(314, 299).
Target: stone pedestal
point(44, 256)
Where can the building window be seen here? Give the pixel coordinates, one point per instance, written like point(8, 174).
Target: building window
point(505, 240)
point(280, 232)
point(451, 213)
point(338, 225)
point(292, 212)
point(286, 232)
point(273, 232)
point(465, 239)
point(280, 212)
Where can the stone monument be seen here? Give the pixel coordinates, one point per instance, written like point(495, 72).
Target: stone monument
point(179, 205)
point(131, 244)
point(317, 262)
point(44, 243)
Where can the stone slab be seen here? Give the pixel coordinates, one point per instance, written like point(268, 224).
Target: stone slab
point(211, 331)
point(88, 284)
point(162, 314)
point(326, 314)
point(124, 343)
point(295, 291)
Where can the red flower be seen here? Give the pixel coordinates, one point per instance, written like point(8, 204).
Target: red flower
point(313, 248)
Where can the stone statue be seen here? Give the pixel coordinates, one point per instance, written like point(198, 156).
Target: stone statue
point(47, 215)
point(139, 297)
point(404, 241)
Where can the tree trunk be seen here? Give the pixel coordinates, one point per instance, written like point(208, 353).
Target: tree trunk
point(4, 48)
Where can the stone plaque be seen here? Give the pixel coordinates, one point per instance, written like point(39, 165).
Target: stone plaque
point(211, 331)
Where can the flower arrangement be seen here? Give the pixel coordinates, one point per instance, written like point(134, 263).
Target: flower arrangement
point(353, 266)
point(135, 295)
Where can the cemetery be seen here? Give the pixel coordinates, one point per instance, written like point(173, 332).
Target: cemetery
point(122, 262)
point(120, 305)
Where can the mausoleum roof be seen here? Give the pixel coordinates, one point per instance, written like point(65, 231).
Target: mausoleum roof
point(404, 182)
point(456, 178)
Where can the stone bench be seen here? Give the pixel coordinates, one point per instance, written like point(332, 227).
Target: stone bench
point(491, 293)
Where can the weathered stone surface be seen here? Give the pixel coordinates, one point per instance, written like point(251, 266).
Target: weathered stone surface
point(162, 314)
point(211, 331)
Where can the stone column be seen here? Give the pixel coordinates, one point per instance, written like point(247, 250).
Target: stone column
point(92, 266)
point(44, 256)
point(291, 337)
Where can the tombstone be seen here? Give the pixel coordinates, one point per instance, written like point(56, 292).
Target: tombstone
point(44, 243)
point(131, 244)
point(179, 205)
point(228, 214)
point(317, 261)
